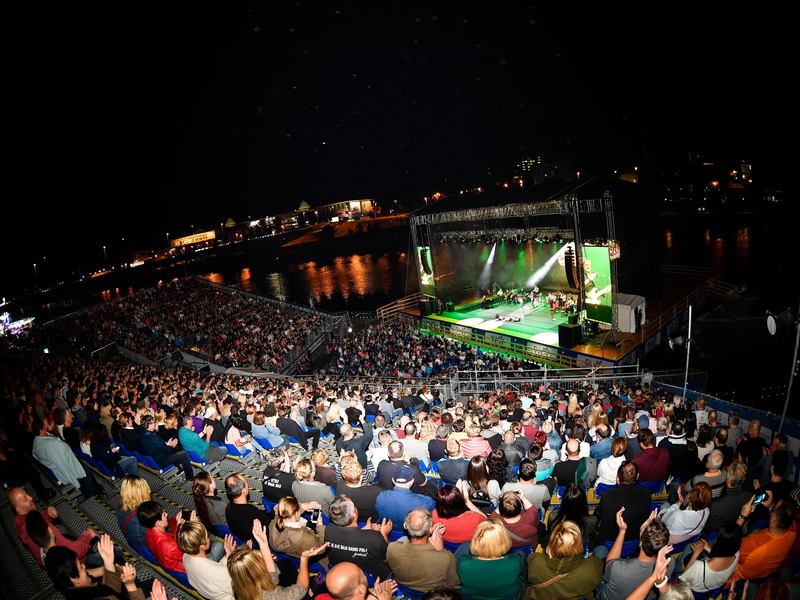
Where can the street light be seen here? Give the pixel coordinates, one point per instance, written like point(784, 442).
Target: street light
point(105, 256)
point(774, 323)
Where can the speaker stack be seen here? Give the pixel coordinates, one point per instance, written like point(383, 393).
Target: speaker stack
point(569, 336)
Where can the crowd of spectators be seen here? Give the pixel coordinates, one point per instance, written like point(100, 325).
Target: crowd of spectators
point(490, 495)
point(398, 349)
point(230, 328)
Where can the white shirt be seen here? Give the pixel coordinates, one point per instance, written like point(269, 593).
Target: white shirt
point(209, 578)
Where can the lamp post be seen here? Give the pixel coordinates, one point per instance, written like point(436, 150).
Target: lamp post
point(105, 256)
point(773, 321)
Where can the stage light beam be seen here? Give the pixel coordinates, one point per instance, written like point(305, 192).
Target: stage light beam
point(484, 281)
point(539, 274)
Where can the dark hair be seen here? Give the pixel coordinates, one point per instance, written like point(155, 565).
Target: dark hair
point(728, 542)
point(646, 437)
point(527, 469)
point(149, 513)
point(450, 502)
point(478, 475)
point(62, 566)
point(784, 513)
point(780, 461)
point(37, 528)
point(703, 435)
point(654, 537)
point(574, 506)
point(497, 465)
point(443, 592)
point(510, 505)
point(628, 472)
point(201, 486)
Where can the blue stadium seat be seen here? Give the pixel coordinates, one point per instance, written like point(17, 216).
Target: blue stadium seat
point(628, 548)
point(600, 488)
point(408, 592)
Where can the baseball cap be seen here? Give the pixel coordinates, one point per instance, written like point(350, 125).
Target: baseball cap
point(403, 474)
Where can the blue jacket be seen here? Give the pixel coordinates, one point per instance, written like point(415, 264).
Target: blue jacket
point(601, 449)
point(154, 447)
point(395, 505)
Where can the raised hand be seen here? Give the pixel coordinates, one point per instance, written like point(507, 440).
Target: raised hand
point(647, 522)
point(620, 521)
point(436, 539)
point(105, 548)
point(315, 551)
point(230, 544)
point(260, 534)
point(384, 590)
point(128, 574)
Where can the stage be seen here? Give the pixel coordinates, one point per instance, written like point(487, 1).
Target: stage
point(535, 334)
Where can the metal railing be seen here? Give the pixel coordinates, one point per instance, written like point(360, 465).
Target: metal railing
point(390, 311)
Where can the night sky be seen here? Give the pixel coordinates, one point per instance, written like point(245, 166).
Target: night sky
point(137, 119)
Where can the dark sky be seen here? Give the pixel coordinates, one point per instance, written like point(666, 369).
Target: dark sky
point(135, 119)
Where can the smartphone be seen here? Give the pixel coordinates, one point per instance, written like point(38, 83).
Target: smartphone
point(315, 515)
point(760, 498)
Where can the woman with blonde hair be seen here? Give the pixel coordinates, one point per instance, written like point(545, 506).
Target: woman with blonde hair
point(254, 575)
point(289, 532)
point(489, 572)
point(132, 493)
point(427, 431)
point(307, 489)
point(562, 571)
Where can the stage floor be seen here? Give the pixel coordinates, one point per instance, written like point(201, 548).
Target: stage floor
point(537, 325)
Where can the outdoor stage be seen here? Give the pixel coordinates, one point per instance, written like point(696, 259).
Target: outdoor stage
point(536, 331)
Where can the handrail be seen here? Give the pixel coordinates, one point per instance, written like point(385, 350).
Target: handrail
point(390, 311)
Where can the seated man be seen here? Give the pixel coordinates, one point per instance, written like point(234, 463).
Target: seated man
point(398, 458)
point(454, 467)
point(422, 563)
point(190, 441)
point(22, 504)
point(56, 455)
point(635, 501)
point(366, 547)
point(278, 477)
point(394, 504)
point(564, 472)
point(653, 463)
point(763, 552)
point(164, 454)
point(363, 496)
point(539, 494)
point(240, 513)
point(714, 476)
point(292, 429)
point(624, 575)
point(416, 448)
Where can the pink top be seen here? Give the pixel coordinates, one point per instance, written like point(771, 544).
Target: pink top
point(461, 528)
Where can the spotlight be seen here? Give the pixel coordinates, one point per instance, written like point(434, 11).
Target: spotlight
point(785, 318)
point(677, 342)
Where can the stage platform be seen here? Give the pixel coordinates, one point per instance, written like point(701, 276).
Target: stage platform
point(536, 332)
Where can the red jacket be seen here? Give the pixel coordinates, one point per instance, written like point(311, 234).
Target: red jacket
point(164, 547)
point(653, 464)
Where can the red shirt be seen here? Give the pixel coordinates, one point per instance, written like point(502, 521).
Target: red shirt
point(80, 546)
point(461, 528)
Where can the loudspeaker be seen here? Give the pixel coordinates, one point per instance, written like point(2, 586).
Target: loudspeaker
point(573, 319)
point(450, 307)
point(569, 336)
point(569, 267)
point(425, 308)
point(455, 297)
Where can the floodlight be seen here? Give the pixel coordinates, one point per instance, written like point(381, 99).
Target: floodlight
point(785, 318)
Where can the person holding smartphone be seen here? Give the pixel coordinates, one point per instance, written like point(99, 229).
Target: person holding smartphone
point(289, 531)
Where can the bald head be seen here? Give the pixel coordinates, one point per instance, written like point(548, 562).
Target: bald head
point(21, 501)
point(346, 431)
point(346, 581)
point(573, 449)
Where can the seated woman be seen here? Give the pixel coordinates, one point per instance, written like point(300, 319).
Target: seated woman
point(264, 431)
point(459, 516)
point(711, 572)
point(235, 434)
point(132, 493)
point(169, 431)
point(499, 471)
point(481, 490)
point(475, 444)
point(520, 517)
point(289, 532)
point(684, 523)
point(254, 575)
point(368, 475)
point(307, 489)
point(324, 473)
point(608, 467)
point(210, 507)
point(562, 572)
point(79, 583)
point(574, 508)
point(489, 572)
point(162, 542)
point(102, 451)
point(209, 578)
